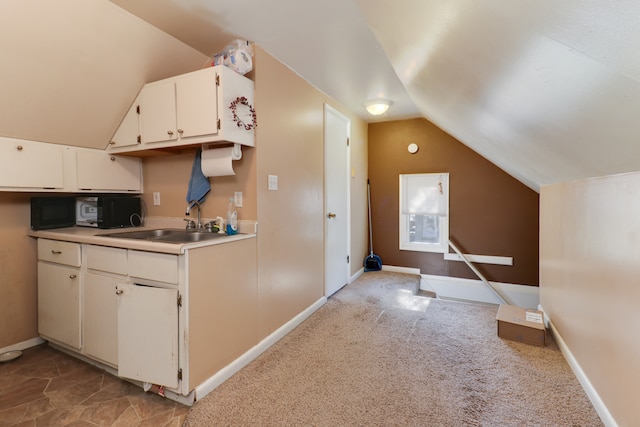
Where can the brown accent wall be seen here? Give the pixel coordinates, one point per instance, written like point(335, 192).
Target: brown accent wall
point(589, 269)
point(18, 266)
point(491, 213)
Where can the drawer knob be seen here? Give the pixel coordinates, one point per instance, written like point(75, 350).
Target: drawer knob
point(119, 291)
point(72, 276)
point(53, 251)
point(169, 132)
point(113, 159)
point(19, 147)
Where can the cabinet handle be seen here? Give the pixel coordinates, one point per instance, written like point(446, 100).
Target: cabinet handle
point(19, 147)
point(180, 131)
point(331, 215)
point(112, 142)
point(113, 159)
point(170, 132)
point(55, 252)
point(119, 291)
point(72, 276)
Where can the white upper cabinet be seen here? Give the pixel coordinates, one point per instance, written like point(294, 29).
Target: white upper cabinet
point(211, 105)
point(42, 167)
point(158, 112)
point(197, 105)
point(29, 165)
point(101, 171)
point(128, 132)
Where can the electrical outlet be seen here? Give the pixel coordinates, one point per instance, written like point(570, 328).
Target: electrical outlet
point(237, 198)
point(156, 198)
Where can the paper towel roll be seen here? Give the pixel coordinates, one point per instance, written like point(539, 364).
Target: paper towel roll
point(217, 161)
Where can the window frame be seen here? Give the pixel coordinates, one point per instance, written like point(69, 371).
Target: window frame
point(443, 219)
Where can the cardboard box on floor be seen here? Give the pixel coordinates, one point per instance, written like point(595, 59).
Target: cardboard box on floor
point(521, 324)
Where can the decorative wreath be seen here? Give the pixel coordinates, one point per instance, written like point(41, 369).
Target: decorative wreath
point(243, 101)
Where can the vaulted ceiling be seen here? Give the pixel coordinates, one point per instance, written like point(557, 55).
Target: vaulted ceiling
point(547, 90)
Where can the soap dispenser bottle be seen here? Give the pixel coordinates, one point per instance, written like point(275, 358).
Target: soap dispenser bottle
point(232, 218)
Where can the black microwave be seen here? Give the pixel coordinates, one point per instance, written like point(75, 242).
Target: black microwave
point(52, 212)
point(108, 211)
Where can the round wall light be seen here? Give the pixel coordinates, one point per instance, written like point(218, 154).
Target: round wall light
point(412, 148)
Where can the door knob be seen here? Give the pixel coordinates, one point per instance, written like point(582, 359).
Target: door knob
point(331, 215)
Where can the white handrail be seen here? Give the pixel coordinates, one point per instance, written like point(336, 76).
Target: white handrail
point(475, 270)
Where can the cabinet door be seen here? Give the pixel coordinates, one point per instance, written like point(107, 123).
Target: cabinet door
point(97, 170)
point(128, 131)
point(197, 104)
point(27, 164)
point(158, 112)
point(59, 303)
point(101, 317)
point(148, 334)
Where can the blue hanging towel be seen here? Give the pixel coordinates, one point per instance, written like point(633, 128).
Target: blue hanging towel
point(199, 185)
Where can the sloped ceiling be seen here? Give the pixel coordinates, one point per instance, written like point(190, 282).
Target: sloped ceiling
point(70, 69)
point(547, 90)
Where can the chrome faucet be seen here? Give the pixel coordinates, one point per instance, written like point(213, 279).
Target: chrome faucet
point(191, 205)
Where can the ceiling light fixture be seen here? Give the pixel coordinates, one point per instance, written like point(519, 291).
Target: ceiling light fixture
point(378, 106)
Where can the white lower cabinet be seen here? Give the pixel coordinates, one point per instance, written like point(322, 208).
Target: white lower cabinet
point(130, 309)
point(59, 284)
point(59, 303)
point(101, 317)
point(128, 323)
point(148, 334)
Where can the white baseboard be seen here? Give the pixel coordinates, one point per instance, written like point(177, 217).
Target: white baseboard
point(592, 394)
point(408, 270)
point(23, 345)
point(357, 274)
point(475, 290)
point(225, 373)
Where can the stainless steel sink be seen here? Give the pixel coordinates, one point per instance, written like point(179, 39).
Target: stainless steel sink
point(168, 235)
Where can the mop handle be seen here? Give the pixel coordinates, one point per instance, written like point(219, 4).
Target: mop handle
point(369, 203)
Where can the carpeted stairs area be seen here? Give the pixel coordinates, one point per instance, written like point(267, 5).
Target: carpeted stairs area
point(377, 354)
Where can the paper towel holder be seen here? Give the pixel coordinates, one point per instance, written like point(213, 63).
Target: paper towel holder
point(236, 153)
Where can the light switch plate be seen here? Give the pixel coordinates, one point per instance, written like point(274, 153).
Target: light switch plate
point(237, 198)
point(273, 182)
point(156, 198)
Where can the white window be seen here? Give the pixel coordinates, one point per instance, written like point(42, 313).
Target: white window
point(424, 212)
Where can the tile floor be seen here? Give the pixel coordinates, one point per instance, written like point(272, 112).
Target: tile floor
point(45, 387)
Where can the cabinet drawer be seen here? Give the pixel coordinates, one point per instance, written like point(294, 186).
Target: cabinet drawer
point(66, 253)
point(153, 266)
point(111, 260)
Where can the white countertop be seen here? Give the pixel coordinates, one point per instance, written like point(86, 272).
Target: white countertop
point(95, 236)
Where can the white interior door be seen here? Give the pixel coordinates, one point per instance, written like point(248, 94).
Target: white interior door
point(336, 180)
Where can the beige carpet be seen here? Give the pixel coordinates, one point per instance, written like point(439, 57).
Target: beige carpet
point(376, 354)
